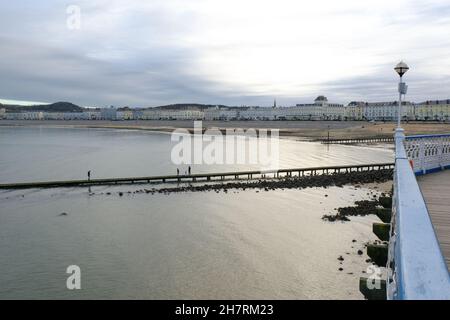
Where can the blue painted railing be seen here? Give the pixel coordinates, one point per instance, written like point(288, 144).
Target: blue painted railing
point(416, 266)
point(428, 153)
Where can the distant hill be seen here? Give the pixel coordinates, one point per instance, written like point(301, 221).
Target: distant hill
point(54, 107)
point(184, 106)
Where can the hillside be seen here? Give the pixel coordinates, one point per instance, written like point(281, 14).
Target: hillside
point(54, 107)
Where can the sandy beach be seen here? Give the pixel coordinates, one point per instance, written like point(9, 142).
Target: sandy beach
point(296, 129)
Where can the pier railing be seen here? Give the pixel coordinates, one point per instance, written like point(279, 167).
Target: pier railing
point(416, 266)
point(428, 153)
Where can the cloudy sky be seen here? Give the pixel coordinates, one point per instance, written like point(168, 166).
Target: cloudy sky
point(235, 52)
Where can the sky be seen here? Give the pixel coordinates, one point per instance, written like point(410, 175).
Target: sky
point(233, 52)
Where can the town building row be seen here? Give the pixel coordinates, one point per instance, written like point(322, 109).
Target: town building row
point(320, 109)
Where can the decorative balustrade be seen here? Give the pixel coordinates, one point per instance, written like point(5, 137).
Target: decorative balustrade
point(416, 266)
point(428, 153)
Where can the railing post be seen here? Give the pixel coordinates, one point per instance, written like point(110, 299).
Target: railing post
point(399, 140)
point(422, 155)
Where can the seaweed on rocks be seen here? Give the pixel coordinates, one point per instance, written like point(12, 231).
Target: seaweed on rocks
point(361, 208)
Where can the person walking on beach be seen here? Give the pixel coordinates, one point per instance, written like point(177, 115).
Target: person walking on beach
point(89, 175)
point(189, 170)
point(178, 172)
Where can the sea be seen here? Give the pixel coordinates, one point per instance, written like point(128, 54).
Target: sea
point(192, 245)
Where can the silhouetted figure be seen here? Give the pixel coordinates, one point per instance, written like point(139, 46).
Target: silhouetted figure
point(189, 170)
point(178, 172)
point(89, 175)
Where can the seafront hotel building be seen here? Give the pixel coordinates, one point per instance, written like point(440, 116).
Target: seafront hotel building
point(432, 110)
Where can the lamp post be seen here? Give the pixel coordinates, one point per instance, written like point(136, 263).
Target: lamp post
point(401, 69)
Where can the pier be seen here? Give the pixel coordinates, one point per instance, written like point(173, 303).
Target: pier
point(416, 254)
point(221, 176)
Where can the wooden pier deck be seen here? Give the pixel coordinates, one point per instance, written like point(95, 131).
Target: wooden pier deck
point(202, 176)
point(436, 192)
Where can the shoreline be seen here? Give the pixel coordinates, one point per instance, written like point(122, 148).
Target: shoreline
point(301, 130)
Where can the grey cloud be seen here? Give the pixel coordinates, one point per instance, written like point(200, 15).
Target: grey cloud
point(50, 74)
point(382, 86)
point(138, 57)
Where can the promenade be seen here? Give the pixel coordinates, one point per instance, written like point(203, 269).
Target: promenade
point(435, 188)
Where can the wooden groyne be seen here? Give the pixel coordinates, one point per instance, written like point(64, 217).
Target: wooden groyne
point(357, 140)
point(238, 175)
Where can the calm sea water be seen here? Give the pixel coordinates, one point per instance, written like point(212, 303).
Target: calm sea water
point(189, 245)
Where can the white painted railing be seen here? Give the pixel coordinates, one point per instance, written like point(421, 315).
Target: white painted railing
point(428, 153)
point(416, 266)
